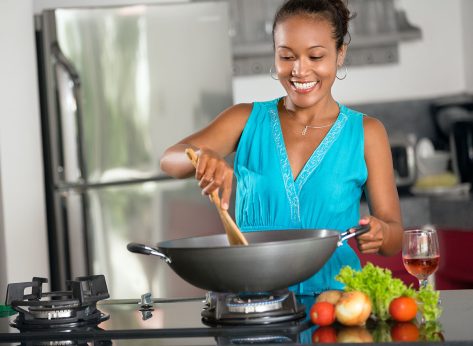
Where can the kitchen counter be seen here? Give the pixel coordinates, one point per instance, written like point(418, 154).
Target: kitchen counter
point(178, 322)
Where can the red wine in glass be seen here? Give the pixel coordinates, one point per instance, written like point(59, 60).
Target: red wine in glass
point(420, 253)
point(421, 267)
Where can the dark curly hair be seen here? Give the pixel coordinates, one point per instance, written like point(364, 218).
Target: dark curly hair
point(335, 11)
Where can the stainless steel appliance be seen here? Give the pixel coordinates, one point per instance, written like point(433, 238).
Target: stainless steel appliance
point(461, 144)
point(118, 85)
point(453, 118)
point(85, 316)
point(403, 154)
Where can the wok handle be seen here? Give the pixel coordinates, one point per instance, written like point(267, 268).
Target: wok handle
point(358, 230)
point(147, 250)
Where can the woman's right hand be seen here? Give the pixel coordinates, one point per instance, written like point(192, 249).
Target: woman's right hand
point(214, 174)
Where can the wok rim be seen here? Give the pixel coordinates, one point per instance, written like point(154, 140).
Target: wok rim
point(333, 233)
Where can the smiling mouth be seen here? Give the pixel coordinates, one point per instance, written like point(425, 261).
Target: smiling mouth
point(304, 86)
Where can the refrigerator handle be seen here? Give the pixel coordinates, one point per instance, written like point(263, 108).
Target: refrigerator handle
point(63, 61)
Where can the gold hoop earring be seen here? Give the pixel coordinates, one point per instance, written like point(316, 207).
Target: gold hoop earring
point(272, 74)
point(345, 75)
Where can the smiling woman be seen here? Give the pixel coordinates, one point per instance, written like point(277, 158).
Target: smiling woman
point(302, 160)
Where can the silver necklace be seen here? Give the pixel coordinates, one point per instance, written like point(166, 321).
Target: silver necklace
point(306, 127)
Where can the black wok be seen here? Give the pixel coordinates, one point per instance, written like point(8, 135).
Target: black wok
point(273, 259)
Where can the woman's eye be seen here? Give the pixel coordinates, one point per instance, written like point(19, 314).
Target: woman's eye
point(286, 57)
point(316, 57)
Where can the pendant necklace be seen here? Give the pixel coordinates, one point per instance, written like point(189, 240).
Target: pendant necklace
point(306, 127)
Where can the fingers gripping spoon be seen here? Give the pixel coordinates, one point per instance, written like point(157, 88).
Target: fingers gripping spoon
point(235, 237)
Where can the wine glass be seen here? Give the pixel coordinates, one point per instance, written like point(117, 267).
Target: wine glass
point(420, 253)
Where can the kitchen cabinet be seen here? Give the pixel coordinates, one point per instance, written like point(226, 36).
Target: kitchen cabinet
point(375, 33)
point(455, 259)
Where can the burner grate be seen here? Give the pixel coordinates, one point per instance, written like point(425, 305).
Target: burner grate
point(61, 309)
point(255, 303)
point(254, 308)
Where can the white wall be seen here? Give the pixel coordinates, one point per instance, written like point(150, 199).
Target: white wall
point(429, 67)
point(23, 224)
point(467, 11)
point(3, 264)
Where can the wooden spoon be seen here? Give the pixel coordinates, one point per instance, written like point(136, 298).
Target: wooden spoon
point(234, 235)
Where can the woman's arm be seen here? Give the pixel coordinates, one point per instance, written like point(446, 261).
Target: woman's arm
point(385, 236)
point(212, 144)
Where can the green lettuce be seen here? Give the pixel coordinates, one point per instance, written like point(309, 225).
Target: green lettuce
point(428, 299)
point(382, 288)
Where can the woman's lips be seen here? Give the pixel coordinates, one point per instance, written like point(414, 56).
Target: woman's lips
point(304, 87)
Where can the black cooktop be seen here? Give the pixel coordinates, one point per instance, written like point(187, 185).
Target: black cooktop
point(179, 322)
point(177, 319)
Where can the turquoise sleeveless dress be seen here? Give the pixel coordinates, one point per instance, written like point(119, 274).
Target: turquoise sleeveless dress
point(325, 194)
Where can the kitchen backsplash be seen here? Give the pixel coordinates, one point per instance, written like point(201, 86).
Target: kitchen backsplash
point(409, 116)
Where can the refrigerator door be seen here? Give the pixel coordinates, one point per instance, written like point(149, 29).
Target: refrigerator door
point(145, 213)
point(131, 81)
point(122, 84)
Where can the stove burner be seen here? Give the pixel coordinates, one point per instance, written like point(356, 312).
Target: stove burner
point(62, 309)
point(255, 303)
point(251, 308)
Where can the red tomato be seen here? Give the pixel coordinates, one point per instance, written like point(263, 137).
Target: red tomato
point(405, 331)
point(327, 334)
point(403, 309)
point(322, 313)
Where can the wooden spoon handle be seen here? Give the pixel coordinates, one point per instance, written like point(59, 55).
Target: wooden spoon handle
point(235, 237)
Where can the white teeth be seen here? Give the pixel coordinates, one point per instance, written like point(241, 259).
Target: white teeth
point(304, 85)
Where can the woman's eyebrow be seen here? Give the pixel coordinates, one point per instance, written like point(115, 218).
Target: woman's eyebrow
point(311, 47)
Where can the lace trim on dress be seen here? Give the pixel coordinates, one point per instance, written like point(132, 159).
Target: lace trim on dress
point(285, 166)
point(319, 153)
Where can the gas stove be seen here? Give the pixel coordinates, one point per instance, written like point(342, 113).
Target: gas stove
point(57, 310)
point(83, 315)
point(251, 308)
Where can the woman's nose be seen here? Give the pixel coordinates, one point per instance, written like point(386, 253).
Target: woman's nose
point(299, 69)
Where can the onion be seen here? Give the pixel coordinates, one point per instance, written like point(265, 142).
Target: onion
point(332, 297)
point(353, 308)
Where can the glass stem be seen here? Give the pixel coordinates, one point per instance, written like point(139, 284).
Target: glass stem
point(423, 283)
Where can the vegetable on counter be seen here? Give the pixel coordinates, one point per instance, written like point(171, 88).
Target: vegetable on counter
point(353, 308)
point(331, 296)
point(382, 289)
point(403, 309)
point(322, 313)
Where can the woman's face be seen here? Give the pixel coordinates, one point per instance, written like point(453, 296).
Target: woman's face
point(306, 58)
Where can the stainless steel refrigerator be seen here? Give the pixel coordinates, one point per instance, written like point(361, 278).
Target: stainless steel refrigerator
point(118, 85)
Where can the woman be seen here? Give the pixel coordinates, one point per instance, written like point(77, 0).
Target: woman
point(303, 160)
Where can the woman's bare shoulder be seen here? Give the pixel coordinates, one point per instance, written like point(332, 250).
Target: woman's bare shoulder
point(239, 111)
point(375, 131)
point(233, 119)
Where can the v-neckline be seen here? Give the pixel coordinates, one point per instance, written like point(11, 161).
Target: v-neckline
point(315, 158)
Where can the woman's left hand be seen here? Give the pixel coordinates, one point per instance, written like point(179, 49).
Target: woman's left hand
point(371, 241)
